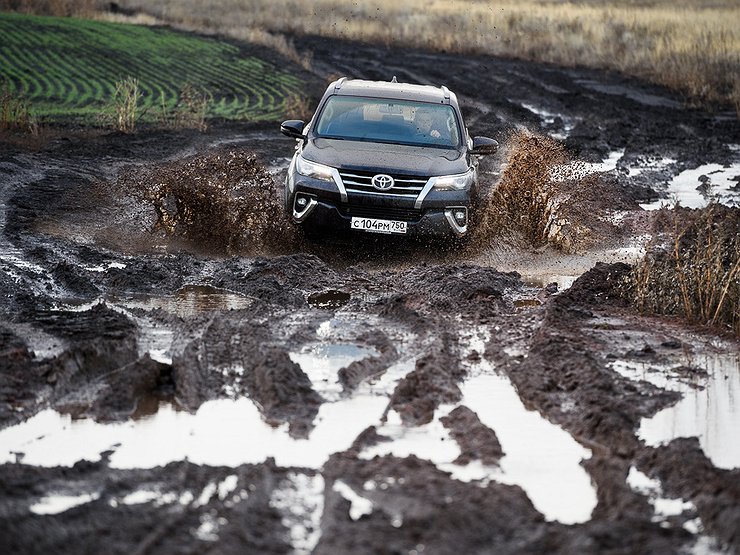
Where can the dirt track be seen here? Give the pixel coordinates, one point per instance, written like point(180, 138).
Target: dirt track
point(105, 320)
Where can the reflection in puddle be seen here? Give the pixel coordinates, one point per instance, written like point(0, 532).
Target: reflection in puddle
point(55, 504)
point(329, 299)
point(543, 280)
point(541, 458)
point(550, 119)
point(662, 506)
point(709, 409)
point(692, 188)
point(300, 500)
point(220, 433)
point(321, 362)
point(188, 301)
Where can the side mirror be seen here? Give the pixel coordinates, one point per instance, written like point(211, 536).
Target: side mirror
point(293, 128)
point(484, 145)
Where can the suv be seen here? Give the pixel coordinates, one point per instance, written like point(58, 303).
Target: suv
point(384, 157)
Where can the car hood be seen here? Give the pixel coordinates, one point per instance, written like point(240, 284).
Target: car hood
point(385, 158)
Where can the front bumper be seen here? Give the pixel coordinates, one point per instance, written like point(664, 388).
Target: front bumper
point(320, 204)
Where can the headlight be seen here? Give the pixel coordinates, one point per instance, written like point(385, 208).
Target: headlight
point(454, 182)
point(312, 169)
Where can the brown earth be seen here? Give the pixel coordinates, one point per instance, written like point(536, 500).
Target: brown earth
point(85, 238)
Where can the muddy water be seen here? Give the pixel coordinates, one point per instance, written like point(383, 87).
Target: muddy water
point(694, 188)
point(540, 457)
point(709, 408)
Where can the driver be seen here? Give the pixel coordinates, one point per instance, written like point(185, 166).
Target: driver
point(423, 121)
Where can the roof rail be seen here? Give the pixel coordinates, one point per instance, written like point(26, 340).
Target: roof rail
point(446, 93)
point(339, 84)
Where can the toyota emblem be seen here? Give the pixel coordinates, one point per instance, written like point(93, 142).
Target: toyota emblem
point(382, 182)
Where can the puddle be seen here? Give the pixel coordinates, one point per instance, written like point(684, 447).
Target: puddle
point(549, 119)
point(221, 433)
point(188, 301)
point(13, 259)
point(664, 507)
point(154, 337)
point(693, 188)
point(541, 281)
point(359, 506)
point(300, 499)
point(99, 269)
point(321, 362)
point(656, 164)
point(329, 299)
point(55, 504)
point(709, 409)
point(541, 458)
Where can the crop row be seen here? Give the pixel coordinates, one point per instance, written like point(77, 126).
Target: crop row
point(69, 67)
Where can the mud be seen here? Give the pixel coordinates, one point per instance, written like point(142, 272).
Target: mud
point(149, 286)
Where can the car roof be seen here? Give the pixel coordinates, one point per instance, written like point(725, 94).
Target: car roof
point(392, 89)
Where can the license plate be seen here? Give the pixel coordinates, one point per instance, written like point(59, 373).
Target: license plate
point(378, 226)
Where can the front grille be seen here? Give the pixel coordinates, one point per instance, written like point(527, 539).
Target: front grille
point(356, 181)
point(381, 212)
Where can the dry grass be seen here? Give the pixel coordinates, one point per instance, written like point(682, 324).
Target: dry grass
point(14, 112)
point(192, 106)
point(696, 272)
point(692, 46)
point(59, 8)
point(125, 103)
point(298, 107)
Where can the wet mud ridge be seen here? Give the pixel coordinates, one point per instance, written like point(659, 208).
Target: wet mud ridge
point(183, 372)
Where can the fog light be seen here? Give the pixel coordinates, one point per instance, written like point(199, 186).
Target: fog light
point(301, 202)
point(460, 216)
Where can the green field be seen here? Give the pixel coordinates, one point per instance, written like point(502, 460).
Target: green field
point(67, 69)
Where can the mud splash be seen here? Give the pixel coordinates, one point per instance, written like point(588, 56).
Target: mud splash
point(521, 207)
point(223, 200)
point(546, 198)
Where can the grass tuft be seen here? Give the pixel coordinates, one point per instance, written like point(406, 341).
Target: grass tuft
point(14, 112)
point(192, 107)
point(125, 102)
point(298, 107)
point(695, 271)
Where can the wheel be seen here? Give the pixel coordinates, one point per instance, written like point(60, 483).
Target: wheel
point(287, 199)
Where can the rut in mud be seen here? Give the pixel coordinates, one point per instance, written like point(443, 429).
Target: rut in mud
point(181, 372)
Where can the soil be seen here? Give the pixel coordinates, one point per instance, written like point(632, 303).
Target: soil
point(94, 247)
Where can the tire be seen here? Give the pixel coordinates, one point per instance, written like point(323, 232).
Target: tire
point(287, 200)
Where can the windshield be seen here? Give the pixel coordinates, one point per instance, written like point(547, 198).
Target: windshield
point(389, 121)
